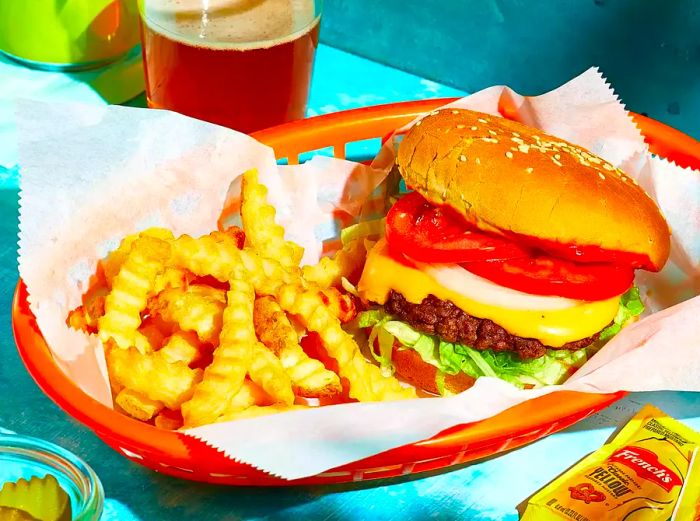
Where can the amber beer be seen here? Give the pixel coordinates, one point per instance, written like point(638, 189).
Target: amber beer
point(244, 64)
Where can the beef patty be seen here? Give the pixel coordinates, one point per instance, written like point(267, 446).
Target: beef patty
point(442, 318)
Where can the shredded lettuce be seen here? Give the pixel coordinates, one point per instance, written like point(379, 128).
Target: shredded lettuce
point(449, 358)
point(371, 317)
point(374, 229)
point(631, 307)
point(349, 287)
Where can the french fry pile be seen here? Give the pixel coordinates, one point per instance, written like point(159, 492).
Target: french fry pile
point(204, 330)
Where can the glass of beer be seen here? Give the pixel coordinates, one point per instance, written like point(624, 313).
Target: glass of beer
point(243, 64)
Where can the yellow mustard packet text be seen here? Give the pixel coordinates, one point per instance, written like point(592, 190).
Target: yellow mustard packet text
point(637, 476)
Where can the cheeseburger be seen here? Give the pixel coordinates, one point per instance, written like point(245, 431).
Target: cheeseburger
point(513, 256)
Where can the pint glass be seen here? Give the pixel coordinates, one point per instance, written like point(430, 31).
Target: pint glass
point(244, 64)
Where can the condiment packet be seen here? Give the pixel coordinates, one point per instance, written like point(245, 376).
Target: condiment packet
point(91, 175)
point(688, 506)
point(642, 470)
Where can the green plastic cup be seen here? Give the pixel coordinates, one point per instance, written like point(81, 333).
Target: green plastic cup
point(67, 34)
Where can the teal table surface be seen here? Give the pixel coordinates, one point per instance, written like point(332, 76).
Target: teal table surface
point(488, 490)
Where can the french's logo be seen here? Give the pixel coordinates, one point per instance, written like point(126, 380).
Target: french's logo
point(646, 465)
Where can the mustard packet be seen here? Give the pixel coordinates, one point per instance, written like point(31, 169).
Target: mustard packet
point(688, 507)
point(637, 476)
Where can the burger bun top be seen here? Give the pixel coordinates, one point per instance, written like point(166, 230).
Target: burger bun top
point(502, 175)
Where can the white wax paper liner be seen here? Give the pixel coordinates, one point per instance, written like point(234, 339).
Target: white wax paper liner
point(91, 175)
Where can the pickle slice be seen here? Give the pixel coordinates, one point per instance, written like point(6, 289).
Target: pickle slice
point(40, 499)
point(15, 514)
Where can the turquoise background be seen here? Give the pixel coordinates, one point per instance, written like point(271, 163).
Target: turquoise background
point(648, 49)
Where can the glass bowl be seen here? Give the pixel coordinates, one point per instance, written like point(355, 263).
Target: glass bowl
point(25, 457)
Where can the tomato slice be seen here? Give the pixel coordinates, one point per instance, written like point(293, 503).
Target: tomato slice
point(419, 230)
point(431, 233)
point(586, 253)
point(545, 275)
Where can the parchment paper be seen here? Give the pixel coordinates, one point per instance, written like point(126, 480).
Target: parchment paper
point(91, 175)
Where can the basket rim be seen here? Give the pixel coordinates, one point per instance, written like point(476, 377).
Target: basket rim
point(39, 362)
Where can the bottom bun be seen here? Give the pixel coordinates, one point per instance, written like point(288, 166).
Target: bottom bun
point(411, 368)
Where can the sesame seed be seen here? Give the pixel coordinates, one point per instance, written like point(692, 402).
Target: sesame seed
point(594, 159)
point(517, 140)
point(509, 154)
point(474, 128)
point(489, 139)
point(529, 170)
point(478, 161)
point(556, 162)
point(524, 148)
point(435, 113)
point(624, 179)
point(455, 112)
point(462, 157)
point(482, 120)
point(557, 157)
point(516, 134)
point(536, 138)
point(419, 122)
point(600, 174)
point(492, 132)
point(460, 126)
point(608, 167)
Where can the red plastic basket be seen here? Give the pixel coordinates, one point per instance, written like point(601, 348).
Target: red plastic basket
point(172, 453)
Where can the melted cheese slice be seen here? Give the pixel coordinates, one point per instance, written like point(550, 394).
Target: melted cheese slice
point(551, 325)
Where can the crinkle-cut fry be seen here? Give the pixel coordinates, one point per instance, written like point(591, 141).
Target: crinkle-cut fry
point(168, 420)
point(273, 327)
point(232, 232)
point(224, 377)
point(367, 383)
point(152, 376)
point(182, 346)
point(171, 277)
point(329, 271)
point(267, 371)
point(85, 317)
point(218, 256)
point(262, 232)
point(249, 394)
point(77, 319)
point(195, 308)
point(137, 405)
point(143, 344)
point(113, 262)
point(254, 411)
point(153, 330)
point(94, 303)
point(341, 305)
point(130, 290)
point(267, 275)
point(309, 376)
point(215, 254)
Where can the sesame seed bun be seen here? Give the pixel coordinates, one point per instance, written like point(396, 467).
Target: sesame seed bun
point(501, 174)
point(410, 367)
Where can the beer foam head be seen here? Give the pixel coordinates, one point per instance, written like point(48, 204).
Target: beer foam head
point(231, 24)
